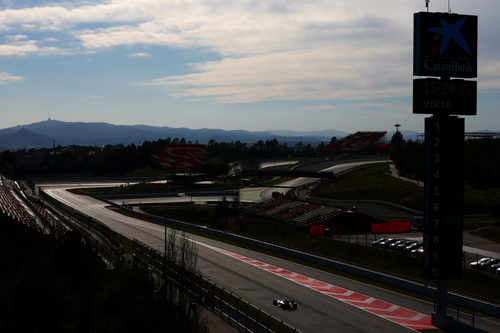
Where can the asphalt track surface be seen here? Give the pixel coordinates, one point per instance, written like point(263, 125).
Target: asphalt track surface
point(259, 278)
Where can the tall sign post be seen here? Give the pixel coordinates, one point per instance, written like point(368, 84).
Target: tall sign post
point(445, 46)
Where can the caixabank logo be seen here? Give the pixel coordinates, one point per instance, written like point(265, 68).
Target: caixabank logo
point(445, 45)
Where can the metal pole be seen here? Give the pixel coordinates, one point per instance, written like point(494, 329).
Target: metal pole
point(165, 263)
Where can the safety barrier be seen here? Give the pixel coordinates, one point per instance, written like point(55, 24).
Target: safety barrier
point(227, 305)
point(416, 287)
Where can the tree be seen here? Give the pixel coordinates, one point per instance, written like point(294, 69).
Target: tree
point(397, 138)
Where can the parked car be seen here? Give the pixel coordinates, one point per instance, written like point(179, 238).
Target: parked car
point(387, 243)
point(376, 243)
point(413, 245)
point(419, 250)
point(493, 267)
point(480, 264)
point(402, 246)
point(394, 245)
point(490, 266)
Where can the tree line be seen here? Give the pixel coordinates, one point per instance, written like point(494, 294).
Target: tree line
point(481, 161)
point(122, 159)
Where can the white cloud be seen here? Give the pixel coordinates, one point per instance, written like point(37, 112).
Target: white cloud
point(310, 74)
point(228, 27)
point(269, 50)
point(16, 37)
point(140, 55)
point(24, 48)
point(6, 77)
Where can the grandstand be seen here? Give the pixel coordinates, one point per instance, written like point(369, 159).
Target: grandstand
point(182, 156)
point(306, 215)
point(358, 141)
point(12, 207)
point(27, 210)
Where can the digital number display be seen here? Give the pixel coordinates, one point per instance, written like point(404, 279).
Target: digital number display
point(433, 96)
point(449, 88)
point(443, 189)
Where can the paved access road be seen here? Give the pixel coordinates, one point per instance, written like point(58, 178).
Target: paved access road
point(327, 302)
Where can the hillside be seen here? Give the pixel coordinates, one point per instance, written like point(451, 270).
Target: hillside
point(46, 133)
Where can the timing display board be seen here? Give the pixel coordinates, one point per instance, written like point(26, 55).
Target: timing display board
point(432, 96)
point(444, 189)
point(445, 45)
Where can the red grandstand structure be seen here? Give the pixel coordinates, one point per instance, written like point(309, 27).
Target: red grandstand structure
point(359, 141)
point(314, 218)
point(181, 156)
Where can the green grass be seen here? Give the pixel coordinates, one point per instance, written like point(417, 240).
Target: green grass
point(492, 233)
point(480, 200)
point(373, 184)
point(376, 184)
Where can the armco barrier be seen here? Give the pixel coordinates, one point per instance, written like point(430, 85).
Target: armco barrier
point(453, 298)
point(220, 301)
point(85, 222)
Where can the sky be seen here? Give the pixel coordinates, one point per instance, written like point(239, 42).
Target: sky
point(243, 64)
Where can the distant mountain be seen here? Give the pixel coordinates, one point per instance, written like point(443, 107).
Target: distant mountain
point(324, 135)
point(45, 133)
point(23, 138)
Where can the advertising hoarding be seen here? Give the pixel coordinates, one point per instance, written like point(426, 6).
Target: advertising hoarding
point(445, 45)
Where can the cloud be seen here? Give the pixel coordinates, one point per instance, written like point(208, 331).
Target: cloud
point(320, 73)
point(140, 55)
point(6, 78)
point(268, 50)
point(23, 48)
point(227, 27)
point(16, 37)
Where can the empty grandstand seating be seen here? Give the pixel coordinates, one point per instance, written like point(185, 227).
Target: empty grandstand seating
point(28, 210)
point(11, 206)
point(298, 213)
point(357, 141)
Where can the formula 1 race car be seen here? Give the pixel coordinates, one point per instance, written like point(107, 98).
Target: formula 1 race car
point(285, 304)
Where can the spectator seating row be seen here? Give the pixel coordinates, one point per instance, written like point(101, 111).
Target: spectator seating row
point(10, 206)
point(269, 204)
point(56, 226)
point(30, 212)
point(297, 212)
point(357, 141)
